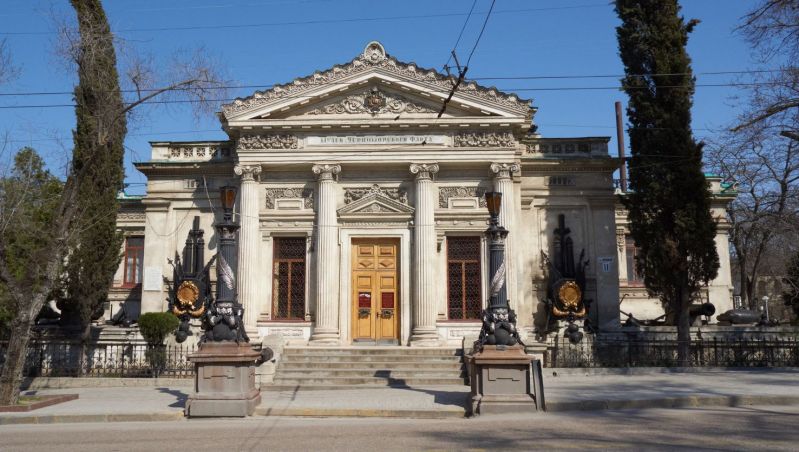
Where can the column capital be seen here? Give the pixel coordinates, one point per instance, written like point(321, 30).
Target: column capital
point(326, 171)
point(424, 170)
point(247, 172)
point(504, 170)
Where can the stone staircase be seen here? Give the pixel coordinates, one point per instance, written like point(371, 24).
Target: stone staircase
point(365, 367)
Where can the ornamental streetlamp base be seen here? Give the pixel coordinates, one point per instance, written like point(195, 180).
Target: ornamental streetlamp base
point(505, 380)
point(224, 381)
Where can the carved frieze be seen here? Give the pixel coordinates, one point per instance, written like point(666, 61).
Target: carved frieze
point(485, 139)
point(129, 216)
point(444, 193)
point(374, 102)
point(271, 141)
point(355, 194)
point(281, 193)
point(374, 56)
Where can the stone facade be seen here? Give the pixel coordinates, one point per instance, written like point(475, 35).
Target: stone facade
point(357, 153)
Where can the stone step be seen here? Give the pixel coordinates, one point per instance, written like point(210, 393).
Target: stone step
point(369, 373)
point(444, 365)
point(360, 351)
point(366, 359)
point(374, 381)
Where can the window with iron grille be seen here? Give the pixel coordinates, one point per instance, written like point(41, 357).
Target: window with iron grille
point(464, 300)
point(288, 273)
point(134, 258)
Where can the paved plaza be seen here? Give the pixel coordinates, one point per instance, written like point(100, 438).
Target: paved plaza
point(569, 391)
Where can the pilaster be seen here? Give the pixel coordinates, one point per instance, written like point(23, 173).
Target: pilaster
point(326, 329)
point(424, 248)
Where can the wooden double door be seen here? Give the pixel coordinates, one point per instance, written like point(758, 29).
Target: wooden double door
point(375, 291)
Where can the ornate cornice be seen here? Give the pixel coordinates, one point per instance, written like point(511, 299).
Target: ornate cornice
point(504, 170)
point(374, 56)
point(248, 173)
point(355, 194)
point(306, 194)
point(272, 141)
point(444, 193)
point(326, 171)
point(424, 170)
point(373, 102)
point(485, 139)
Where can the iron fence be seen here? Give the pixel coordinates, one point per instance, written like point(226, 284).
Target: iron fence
point(71, 359)
point(709, 352)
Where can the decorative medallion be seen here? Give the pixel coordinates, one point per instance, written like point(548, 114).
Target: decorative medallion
point(570, 295)
point(374, 101)
point(187, 293)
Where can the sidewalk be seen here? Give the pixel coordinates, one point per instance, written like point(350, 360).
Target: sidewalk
point(563, 393)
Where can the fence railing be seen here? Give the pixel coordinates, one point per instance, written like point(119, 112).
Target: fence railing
point(709, 352)
point(70, 359)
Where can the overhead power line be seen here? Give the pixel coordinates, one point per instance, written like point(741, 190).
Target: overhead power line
point(509, 90)
point(475, 79)
point(313, 22)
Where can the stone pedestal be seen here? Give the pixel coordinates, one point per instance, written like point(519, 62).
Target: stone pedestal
point(224, 381)
point(502, 381)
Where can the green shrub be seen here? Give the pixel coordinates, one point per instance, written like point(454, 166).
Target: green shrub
point(155, 326)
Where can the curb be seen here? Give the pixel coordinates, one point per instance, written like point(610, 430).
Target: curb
point(673, 402)
point(356, 412)
point(85, 418)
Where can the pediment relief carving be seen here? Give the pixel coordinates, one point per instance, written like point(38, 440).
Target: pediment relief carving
point(372, 101)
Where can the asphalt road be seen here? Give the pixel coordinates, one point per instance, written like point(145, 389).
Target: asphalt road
point(751, 428)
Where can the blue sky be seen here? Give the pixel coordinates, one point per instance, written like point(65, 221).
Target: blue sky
point(523, 38)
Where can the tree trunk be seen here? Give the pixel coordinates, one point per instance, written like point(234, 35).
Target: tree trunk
point(11, 378)
point(684, 328)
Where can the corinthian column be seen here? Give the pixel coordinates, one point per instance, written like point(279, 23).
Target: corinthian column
point(424, 248)
point(249, 293)
point(327, 258)
point(503, 183)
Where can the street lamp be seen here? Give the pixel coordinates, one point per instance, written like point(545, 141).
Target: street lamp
point(499, 321)
point(765, 306)
point(227, 195)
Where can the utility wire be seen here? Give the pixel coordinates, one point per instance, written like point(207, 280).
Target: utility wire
point(313, 22)
point(460, 35)
point(509, 90)
point(530, 77)
point(482, 30)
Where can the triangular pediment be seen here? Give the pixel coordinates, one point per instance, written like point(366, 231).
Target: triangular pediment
point(375, 200)
point(404, 85)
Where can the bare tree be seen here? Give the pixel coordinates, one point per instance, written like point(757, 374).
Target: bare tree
point(764, 217)
point(102, 110)
point(8, 70)
point(772, 30)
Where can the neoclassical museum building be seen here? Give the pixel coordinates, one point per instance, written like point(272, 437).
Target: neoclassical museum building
point(362, 212)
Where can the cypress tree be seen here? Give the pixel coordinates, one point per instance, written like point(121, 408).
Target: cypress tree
point(669, 198)
point(98, 157)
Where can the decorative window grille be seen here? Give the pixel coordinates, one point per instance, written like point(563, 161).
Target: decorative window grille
point(134, 260)
point(288, 273)
point(190, 184)
point(634, 278)
point(464, 300)
point(560, 181)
